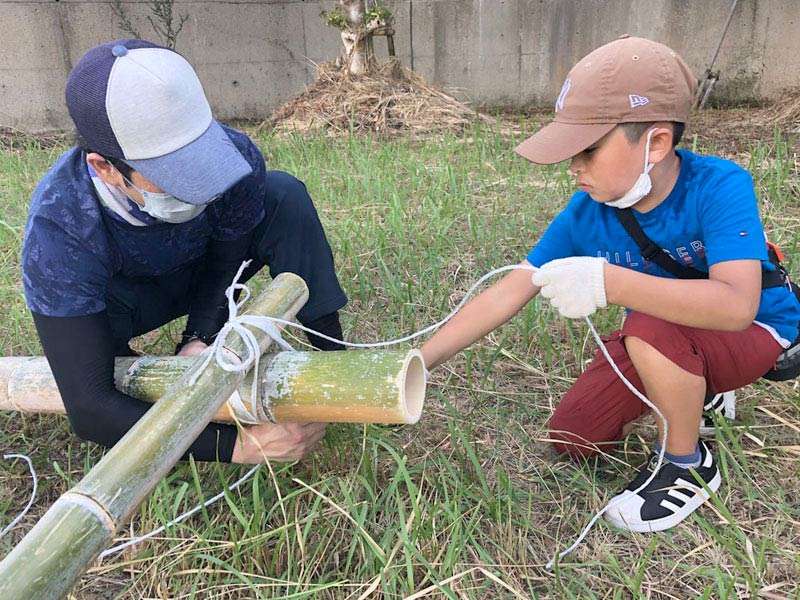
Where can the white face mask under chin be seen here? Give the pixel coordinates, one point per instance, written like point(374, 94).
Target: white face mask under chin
point(643, 184)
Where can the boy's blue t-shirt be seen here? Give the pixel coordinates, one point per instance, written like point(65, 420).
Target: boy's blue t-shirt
point(710, 216)
point(73, 245)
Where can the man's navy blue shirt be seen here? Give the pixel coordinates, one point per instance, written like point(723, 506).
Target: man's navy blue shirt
point(73, 246)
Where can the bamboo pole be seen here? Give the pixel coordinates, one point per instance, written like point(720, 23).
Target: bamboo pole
point(67, 539)
point(344, 387)
point(381, 386)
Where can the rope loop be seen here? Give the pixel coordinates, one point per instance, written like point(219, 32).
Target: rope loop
point(225, 358)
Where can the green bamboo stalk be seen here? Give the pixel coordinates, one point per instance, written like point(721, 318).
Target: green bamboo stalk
point(56, 552)
point(376, 386)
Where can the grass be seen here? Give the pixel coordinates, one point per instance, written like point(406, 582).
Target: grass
point(471, 502)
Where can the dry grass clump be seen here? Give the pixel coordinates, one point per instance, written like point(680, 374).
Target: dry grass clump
point(782, 112)
point(785, 112)
point(390, 100)
point(733, 133)
point(15, 140)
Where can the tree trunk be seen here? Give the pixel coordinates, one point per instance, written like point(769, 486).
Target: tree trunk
point(357, 43)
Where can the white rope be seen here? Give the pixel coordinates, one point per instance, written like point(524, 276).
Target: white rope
point(417, 334)
point(33, 493)
point(243, 414)
point(268, 325)
point(185, 515)
point(236, 324)
point(261, 323)
point(644, 399)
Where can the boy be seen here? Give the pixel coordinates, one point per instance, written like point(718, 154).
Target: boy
point(619, 116)
point(148, 219)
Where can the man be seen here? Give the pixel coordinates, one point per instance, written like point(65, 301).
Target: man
point(147, 219)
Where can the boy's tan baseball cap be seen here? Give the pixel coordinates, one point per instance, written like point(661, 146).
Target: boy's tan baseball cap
point(628, 80)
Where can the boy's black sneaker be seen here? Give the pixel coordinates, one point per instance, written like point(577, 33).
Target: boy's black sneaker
point(672, 496)
point(716, 406)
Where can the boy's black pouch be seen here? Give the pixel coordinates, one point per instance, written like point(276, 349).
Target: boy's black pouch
point(787, 365)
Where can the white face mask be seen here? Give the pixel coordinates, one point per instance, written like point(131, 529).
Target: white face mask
point(643, 184)
point(165, 207)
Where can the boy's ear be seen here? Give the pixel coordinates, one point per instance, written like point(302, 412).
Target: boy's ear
point(660, 144)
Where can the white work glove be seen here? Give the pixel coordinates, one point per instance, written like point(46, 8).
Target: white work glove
point(575, 285)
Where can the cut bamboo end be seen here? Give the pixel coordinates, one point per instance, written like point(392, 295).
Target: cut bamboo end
point(72, 532)
point(414, 389)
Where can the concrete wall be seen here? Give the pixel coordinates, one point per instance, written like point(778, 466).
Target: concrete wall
point(254, 54)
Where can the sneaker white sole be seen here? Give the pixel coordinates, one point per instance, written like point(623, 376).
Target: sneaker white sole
point(615, 517)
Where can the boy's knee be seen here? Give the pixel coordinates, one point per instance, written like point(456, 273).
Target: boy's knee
point(654, 344)
point(636, 347)
point(568, 437)
point(647, 337)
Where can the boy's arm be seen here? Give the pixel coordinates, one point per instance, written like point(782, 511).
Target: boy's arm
point(728, 300)
point(480, 316)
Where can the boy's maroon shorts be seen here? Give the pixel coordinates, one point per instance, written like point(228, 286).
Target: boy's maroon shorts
point(593, 412)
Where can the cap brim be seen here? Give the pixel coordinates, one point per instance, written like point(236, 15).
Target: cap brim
point(559, 141)
point(200, 170)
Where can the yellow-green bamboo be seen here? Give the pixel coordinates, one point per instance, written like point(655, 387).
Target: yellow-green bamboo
point(385, 386)
point(54, 554)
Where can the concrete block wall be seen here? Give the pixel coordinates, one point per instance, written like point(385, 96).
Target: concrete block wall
point(252, 55)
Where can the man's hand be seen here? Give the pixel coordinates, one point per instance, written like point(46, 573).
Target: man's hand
point(193, 348)
point(276, 441)
point(575, 285)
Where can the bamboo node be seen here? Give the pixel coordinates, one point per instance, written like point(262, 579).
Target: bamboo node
point(91, 505)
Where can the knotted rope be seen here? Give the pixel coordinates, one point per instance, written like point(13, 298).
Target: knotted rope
point(268, 325)
point(230, 362)
point(227, 359)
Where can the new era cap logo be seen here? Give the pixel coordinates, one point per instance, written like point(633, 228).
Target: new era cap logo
point(562, 95)
point(637, 100)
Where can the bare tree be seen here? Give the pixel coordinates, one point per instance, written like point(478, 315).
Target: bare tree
point(359, 21)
